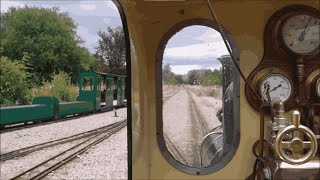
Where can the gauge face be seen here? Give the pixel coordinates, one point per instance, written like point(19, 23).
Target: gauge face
point(318, 87)
point(301, 34)
point(275, 86)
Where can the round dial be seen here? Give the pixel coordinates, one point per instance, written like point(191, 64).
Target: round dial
point(301, 34)
point(275, 86)
point(318, 87)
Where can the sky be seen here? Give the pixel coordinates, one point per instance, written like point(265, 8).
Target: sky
point(194, 47)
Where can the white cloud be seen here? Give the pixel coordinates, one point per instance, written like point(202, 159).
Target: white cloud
point(197, 51)
point(111, 5)
point(214, 67)
point(5, 5)
point(107, 20)
point(91, 40)
point(210, 35)
point(87, 6)
point(183, 69)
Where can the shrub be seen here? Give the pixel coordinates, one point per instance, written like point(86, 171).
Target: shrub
point(60, 87)
point(14, 88)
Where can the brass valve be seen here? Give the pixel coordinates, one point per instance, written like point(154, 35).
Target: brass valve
point(296, 145)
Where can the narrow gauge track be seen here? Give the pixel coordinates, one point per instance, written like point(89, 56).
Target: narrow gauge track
point(171, 147)
point(174, 151)
point(165, 98)
point(199, 129)
point(46, 122)
point(41, 170)
point(38, 147)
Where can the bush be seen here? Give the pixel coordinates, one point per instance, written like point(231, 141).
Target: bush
point(14, 88)
point(60, 87)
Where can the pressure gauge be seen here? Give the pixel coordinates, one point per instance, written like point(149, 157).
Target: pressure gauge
point(301, 34)
point(275, 86)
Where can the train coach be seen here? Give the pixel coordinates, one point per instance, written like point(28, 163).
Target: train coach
point(97, 92)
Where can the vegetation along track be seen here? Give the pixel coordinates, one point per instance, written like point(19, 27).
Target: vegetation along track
point(199, 128)
point(41, 170)
point(38, 147)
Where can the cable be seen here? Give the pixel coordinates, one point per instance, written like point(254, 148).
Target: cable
point(230, 51)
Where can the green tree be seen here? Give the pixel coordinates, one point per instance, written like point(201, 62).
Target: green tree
point(46, 39)
point(112, 50)
point(211, 78)
point(169, 77)
point(13, 86)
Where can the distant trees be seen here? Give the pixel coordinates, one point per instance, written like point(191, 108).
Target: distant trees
point(112, 50)
point(211, 78)
point(205, 77)
point(45, 41)
point(169, 77)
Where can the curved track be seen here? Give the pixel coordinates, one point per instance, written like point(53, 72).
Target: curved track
point(38, 147)
point(41, 170)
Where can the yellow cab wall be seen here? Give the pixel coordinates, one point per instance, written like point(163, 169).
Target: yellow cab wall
point(147, 23)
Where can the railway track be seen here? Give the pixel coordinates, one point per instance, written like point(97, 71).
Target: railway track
point(200, 129)
point(167, 97)
point(41, 170)
point(38, 147)
point(46, 122)
point(174, 151)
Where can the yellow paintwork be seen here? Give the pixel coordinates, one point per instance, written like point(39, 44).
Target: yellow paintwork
point(147, 23)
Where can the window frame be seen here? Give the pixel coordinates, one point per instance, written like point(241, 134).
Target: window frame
point(159, 101)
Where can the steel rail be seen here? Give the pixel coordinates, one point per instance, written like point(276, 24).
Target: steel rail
point(174, 151)
point(200, 130)
point(165, 98)
point(66, 156)
point(38, 147)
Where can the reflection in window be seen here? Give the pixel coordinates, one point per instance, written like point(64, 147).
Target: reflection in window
point(197, 90)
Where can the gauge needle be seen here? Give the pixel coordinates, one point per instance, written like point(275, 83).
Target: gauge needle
point(301, 37)
point(275, 88)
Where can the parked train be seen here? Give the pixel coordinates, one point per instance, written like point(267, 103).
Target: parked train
point(97, 92)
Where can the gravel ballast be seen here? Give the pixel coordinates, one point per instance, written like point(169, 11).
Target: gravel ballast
point(113, 153)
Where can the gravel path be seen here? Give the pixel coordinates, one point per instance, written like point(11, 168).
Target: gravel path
point(116, 150)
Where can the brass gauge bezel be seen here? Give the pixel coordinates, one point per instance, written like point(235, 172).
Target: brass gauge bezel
point(295, 14)
point(316, 89)
point(264, 73)
point(311, 84)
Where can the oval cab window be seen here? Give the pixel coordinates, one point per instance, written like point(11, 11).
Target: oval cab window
point(200, 102)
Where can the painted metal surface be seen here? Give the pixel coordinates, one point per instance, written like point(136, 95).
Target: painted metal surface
point(41, 108)
point(148, 22)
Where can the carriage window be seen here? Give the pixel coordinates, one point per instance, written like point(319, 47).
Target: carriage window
point(199, 95)
point(103, 84)
point(87, 84)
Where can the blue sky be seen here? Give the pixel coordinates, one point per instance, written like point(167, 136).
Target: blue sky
point(195, 47)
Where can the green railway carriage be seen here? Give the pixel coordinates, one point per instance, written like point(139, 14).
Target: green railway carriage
point(96, 92)
point(42, 108)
